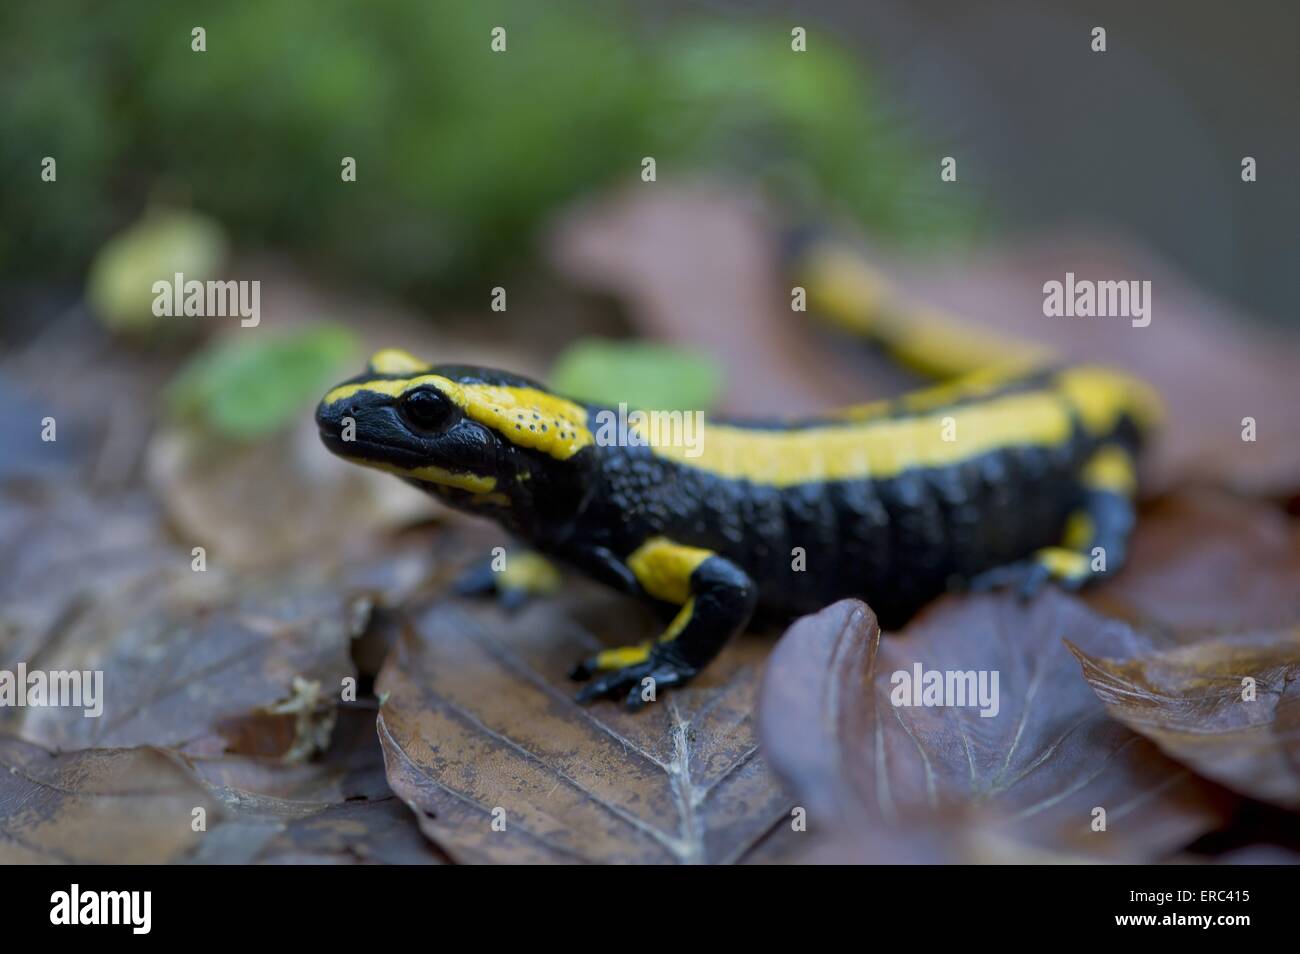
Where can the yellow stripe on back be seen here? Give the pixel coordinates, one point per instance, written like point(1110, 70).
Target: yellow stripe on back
point(859, 298)
point(1101, 396)
point(879, 448)
point(977, 384)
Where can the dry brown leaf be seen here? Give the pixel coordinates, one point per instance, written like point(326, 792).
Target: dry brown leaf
point(1194, 702)
point(104, 806)
point(100, 391)
point(76, 568)
point(266, 506)
point(1213, 365)
point(336, 809)
point(1204, 562)
point(478, 716)
point(258, 677)
point(362, 832)
point(204, 662)
point(698, 266)
point(136, 805)
point(888, 783)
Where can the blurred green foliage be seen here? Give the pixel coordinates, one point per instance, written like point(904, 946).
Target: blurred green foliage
point(642, 374)
point(460, 151)
point(245, 387)
point(164, 243)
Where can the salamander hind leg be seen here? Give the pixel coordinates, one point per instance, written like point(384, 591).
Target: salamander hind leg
point(1095, 542)
point(715, 598)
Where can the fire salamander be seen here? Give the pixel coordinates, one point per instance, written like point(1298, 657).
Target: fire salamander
point(1008, 471)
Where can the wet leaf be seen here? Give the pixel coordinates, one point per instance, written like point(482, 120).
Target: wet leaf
point(891, 783)
point(1229, 708)
point(478, 717)
point(104, 806)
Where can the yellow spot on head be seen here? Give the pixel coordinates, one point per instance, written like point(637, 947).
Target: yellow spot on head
point(530, 418)
point(393, 388)
point(396, 361)
point(527, 417)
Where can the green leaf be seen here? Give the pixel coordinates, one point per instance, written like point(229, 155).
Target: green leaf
point(246, 388)
point(642, 374)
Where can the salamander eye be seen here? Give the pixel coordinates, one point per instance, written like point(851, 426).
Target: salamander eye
point(427, 409)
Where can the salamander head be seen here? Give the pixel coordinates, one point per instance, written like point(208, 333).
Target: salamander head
point(473, 435)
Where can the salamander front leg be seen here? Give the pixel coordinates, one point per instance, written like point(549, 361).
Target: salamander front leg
point(716, 599)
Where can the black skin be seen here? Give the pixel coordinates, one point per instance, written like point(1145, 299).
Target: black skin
point(896, 543)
